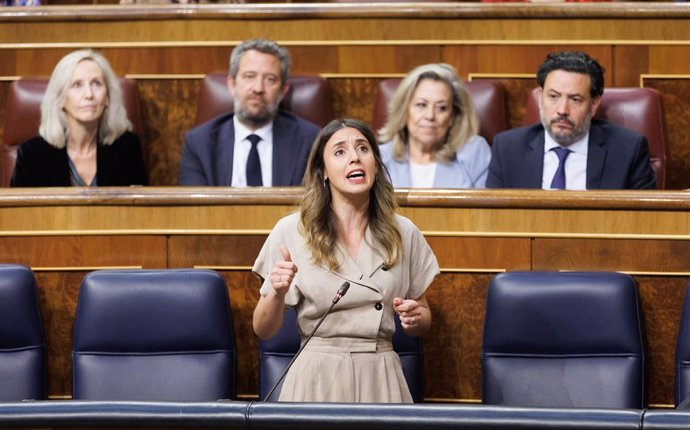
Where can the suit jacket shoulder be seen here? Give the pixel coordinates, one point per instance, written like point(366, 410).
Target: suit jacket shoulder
point(618, 158)
point(517, 158)
point(207, 155)
point(293, 138)
point(39, 164)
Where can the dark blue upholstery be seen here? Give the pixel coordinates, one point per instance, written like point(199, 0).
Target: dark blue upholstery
point(117, 415)
point(373, 416)
point(571, 339)
point(275, 354)
point(153, 335)
point(22, 346)
point(683, 356)
point(318, 416)
point(666, 420)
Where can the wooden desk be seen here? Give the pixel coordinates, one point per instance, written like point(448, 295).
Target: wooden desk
point(64, 233)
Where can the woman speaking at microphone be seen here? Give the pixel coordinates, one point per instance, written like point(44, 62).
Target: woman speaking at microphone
point(346, 231)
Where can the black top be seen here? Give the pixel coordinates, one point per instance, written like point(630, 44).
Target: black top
point(39, 164)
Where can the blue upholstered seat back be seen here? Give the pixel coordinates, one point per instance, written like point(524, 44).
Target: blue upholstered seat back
point(22, 345)
point(563, 340)
point(153, 335)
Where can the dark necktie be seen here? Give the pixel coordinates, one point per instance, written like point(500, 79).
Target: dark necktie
point(559, 178)
point(254, 163)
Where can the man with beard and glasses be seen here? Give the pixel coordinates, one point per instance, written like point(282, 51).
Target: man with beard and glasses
point(257, 144)
point(569, 149)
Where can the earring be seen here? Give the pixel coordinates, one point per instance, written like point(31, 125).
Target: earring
point(325, 182)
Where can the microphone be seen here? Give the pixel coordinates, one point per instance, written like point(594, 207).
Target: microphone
point(339, 295)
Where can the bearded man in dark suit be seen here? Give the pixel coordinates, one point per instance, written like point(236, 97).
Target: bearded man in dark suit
point(257, 144)
point(569, 149)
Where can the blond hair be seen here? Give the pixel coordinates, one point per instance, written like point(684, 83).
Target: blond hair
point(465, 122)
point(54, 126)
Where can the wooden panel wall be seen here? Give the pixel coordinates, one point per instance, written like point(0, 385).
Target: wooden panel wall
point(168, 49)
point(64, 233)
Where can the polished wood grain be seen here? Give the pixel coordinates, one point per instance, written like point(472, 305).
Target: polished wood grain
point(675, 93)
point(457, 302)
point(599, 254)
point(173, 103)
point(214, 250)
point(661, 299)
point(243, 290)
point(354, 98)
point(63, 233)
point(57, 295)
point(459, 254)
point(84, 250)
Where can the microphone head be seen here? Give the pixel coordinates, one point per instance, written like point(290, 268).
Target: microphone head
point(343, 288)
point(341, 292)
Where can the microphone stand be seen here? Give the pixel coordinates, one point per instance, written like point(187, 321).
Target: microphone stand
point(341, 292)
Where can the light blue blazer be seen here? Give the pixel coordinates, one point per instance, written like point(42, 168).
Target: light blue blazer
point(468, 170)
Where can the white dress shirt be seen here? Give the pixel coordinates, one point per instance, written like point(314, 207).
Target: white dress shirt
point(575, 164)
point(422, 175)
point(241, 153)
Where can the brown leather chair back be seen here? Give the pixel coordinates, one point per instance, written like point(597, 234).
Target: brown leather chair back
point(488, 97)
point(638, 109)
point(23, 116)
point(309, 97)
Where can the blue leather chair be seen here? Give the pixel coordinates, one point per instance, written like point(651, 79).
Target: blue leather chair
point(682, 395)
point(22, 345)
point(163, 335)
point(275, 354)
point(571, 339)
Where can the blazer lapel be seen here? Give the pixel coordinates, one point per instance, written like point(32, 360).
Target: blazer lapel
point(596, 157)
point(534, 162)
point(361, 270)
point(448, 175)
point(224, 151)
point(400, 173)
point(284, 155)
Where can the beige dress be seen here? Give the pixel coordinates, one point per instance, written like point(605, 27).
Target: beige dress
point(350, 358)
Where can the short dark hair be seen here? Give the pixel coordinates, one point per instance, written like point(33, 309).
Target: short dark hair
point(574, 62)
point(265, 46)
